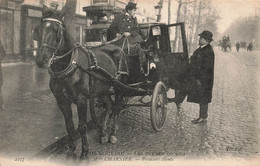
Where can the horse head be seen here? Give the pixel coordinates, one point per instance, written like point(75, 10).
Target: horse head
point(49, 36)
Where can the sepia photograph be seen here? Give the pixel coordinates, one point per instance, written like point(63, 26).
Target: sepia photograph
point(129, 82)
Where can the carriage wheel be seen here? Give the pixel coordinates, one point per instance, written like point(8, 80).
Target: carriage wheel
point(158, 107)
point(97, 111)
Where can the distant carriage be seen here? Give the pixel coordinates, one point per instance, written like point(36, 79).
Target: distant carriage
point(225, 44)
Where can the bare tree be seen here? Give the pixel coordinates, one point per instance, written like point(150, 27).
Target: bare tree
point(169, 11)
point(198, 15)
point(246, 29)
point(198, 23)
point(177, 40)
point(180, 2)
point(69, 17)
point(191, 26)
point(159, 7)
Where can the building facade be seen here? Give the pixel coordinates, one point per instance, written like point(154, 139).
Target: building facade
point(10, 12)
point(19, 17)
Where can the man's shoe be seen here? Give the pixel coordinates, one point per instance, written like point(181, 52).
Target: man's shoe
point(199, 120)
point(178, 105)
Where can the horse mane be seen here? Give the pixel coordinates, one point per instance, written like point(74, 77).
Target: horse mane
point(67, 36)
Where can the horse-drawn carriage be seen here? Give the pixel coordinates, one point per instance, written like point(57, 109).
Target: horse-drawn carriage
point(80, 74)
point(166, 66)
point(225, 44)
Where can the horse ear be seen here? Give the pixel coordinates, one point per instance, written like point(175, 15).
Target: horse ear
point(44, 8)
point(62, 12)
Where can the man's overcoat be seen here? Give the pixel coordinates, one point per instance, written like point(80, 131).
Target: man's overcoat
point(201, 69)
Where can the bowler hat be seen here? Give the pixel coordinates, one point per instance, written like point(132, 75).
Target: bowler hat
point(130, 6)
point(207, 35)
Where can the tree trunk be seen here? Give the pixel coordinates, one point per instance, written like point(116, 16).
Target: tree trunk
point(191, 39)
point(177, 20)
point(169, 11)
point(69, 16)
point(184, 20)
point(197, 25)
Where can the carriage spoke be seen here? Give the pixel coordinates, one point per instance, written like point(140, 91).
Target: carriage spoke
point(160, 108)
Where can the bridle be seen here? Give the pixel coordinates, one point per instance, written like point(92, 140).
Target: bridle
point(61, 29)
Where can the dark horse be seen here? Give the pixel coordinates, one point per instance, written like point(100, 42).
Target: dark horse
point(72, 80)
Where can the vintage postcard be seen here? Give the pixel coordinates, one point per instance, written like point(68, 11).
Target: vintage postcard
point(129, 82)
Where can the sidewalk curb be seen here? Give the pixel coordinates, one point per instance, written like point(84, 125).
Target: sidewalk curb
point(46, 152)
point(5, 64)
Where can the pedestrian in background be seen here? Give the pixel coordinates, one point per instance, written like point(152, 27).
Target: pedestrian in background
point(237, 46)
point(2, 55)
point(199, 81)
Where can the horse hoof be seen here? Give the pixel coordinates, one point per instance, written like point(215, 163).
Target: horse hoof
point(71, 156)
point(113, 139)
point(84, 156)
point(104, 140)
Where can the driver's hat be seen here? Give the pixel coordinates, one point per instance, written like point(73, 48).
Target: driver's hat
point(207, 35)
point(130, 6)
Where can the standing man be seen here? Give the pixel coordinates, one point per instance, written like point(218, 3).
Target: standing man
point(2, 55)
point(199, 83)
point(237, 46)
point(126, 24)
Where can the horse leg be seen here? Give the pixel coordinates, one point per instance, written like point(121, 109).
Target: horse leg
point(82, 126)
point(65, 107)
point(103, 134)
point(115, 113)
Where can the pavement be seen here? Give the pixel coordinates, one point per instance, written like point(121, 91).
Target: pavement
point(232, 130)
point(31, 120)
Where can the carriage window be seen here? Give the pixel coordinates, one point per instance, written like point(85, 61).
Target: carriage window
point(176, 39)
point(96, 35)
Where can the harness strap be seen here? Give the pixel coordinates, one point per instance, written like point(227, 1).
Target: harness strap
point(128, 46)
point(96, 75)
point(103, 75)
point(97, 72)
point(54, 58)
point(63, 74)
point(105, 43)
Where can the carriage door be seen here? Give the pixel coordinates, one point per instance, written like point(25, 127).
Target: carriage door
point(176, 59)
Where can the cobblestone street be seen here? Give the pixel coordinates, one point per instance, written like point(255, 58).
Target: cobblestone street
point(232, 129)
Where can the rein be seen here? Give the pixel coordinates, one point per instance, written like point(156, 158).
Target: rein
point(93, 69)
point(109, 42)
point(55, 58)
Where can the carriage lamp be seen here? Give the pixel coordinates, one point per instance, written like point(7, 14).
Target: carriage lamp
point(156, 31)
